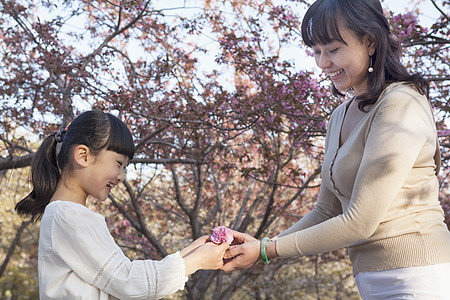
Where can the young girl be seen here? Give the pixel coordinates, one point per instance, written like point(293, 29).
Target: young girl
point(78, 258)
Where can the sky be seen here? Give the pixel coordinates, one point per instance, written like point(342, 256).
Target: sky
point(428, 12)
point(398, 6)
point(428, 15)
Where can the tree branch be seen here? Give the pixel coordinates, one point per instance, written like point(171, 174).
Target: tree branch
point(15, 162)
point(13, 246)
point(143, 228)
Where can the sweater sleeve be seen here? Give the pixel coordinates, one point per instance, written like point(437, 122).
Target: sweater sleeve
point(395, 139)
point(82, 240)
point(327, 206)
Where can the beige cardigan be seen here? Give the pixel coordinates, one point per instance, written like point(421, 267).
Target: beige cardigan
point(379, 191)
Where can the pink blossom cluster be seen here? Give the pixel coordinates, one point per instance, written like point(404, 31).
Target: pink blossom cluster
point(407, 23)
point(443, 133)
point(282, 14)
point(221, 234)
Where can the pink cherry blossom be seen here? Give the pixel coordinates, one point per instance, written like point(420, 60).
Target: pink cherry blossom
point(221, 234)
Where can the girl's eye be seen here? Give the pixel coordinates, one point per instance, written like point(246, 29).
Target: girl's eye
point(120, 163)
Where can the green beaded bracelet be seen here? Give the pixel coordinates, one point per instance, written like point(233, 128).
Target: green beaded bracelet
point(264, 257)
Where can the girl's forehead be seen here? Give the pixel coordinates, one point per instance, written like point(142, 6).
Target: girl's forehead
point(116, 154)
point(111, 154)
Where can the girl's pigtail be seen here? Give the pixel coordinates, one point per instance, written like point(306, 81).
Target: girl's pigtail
point(45, 176)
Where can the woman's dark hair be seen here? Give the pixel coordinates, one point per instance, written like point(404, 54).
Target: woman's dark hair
point(94, 129)
point(364, 17)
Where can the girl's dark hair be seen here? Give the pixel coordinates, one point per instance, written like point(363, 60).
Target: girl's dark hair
point(94, 129)
point(364, 17)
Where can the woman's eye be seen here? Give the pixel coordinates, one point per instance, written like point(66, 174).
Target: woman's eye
point(334, 50)
point(315, 50)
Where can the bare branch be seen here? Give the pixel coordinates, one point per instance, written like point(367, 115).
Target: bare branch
point(13, 246)
point(15, 162)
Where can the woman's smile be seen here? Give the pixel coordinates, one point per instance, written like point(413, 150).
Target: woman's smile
point(335, 75)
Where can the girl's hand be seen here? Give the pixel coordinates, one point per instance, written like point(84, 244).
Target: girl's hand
point(206, 257)
point(194, 245)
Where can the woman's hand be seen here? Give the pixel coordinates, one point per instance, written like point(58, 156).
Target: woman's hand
point(243, 253)
point(240, 238)
point(246, 251)
point(242, 256)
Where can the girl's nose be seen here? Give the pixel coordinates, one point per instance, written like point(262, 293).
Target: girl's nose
point(122, 175)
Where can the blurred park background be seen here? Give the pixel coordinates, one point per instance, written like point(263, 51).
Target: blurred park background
point(228, 113)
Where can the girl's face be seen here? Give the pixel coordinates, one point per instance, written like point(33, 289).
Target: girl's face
point(104, 172)
point(346, 64)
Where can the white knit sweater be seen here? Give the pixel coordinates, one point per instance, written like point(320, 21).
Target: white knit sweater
point(78, 259)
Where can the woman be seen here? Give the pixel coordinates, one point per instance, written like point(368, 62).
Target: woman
point(379, 190)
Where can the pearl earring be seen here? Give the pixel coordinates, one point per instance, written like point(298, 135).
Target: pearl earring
point(370, 66)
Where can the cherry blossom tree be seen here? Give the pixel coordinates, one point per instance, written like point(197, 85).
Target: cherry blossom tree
point(229, 128)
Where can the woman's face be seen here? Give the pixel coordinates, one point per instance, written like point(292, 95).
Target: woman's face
point(346, 64)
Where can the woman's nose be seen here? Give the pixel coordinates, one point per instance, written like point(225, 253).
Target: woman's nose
point(323, 61)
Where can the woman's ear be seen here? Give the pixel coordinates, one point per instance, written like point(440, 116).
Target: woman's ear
point(370, 44)
point(81, 155)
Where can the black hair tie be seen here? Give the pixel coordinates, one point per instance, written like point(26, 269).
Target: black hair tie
point(59, 135)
